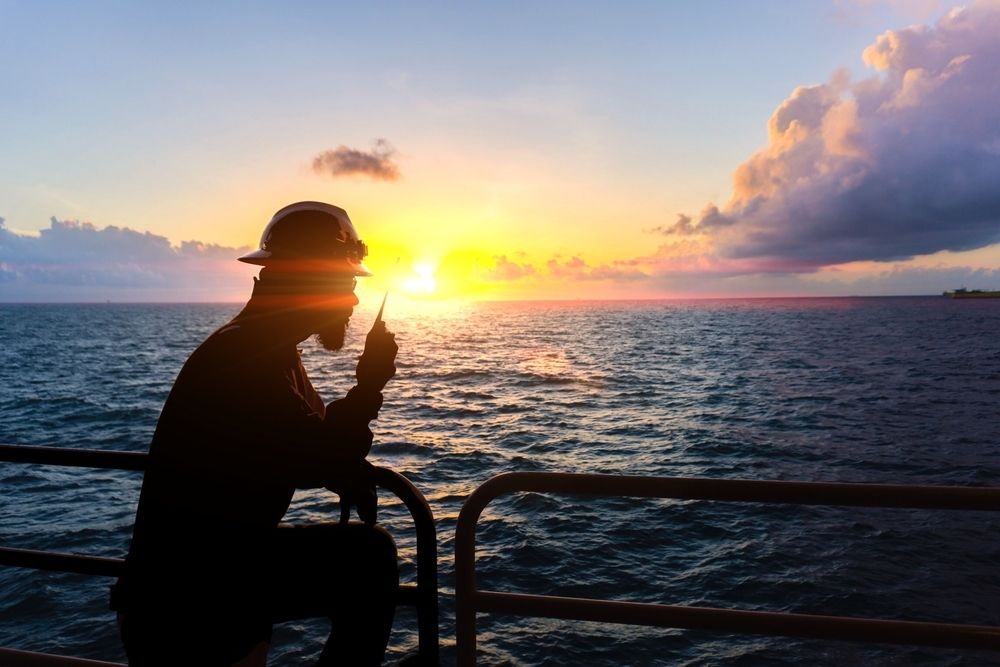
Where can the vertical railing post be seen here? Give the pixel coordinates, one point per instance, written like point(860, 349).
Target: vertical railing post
point(465, 568)
point(427, 575)
point(465, 587)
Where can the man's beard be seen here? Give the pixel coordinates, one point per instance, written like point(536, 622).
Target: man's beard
point(331, 336)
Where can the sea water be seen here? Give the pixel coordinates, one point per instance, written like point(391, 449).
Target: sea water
point(886, 390)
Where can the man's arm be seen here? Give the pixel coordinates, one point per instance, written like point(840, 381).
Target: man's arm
point(326, 450)
point(349, 418)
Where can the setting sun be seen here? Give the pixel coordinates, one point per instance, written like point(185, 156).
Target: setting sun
point(421, 281)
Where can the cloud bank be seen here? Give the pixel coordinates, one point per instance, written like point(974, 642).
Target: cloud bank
point(505, 270)
point(77, 261)
point(902, 164)
point(378, 164)
point(692, 274)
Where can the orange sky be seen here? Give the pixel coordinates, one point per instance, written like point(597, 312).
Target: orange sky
point(655, 151)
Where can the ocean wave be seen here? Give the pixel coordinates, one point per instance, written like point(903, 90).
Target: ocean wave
point(707, 389)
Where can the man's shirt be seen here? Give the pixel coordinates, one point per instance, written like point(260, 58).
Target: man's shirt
point(241, 429)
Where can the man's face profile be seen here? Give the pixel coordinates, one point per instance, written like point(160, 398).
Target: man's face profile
point(334, 314)
point(320, 304)
point(331, 334)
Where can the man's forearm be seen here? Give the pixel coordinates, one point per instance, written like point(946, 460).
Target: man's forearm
point(358, 408)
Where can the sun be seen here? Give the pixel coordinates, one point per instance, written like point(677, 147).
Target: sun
point(421, 282)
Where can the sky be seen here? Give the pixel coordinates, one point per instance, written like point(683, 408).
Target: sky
point(559, 150)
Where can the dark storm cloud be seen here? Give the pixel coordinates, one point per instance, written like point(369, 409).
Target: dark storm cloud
point(74, 260)
point(903, 164)
point(378, 163)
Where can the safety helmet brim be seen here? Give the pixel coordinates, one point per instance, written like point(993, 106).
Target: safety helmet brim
point(267, 258)
point(289, 240)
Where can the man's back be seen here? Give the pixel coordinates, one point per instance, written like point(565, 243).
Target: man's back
point(208, 488)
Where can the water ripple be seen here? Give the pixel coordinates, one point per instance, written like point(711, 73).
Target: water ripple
point(864, 390)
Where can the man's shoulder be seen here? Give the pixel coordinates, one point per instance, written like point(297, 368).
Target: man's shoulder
point(232, 335)
point(240, 347)
point(225, 347)
point(232, 328)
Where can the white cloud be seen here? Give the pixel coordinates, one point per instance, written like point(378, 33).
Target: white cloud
point(77, 261)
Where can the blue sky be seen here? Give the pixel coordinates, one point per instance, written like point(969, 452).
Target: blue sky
point(523, 131)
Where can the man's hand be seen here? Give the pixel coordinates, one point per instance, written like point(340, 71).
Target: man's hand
point(347, 424)
point(377, 363)
point(356, 486)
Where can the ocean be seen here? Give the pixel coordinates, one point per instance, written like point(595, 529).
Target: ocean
point(888, 390)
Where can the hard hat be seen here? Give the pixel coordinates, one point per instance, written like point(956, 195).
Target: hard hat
point(311, 234)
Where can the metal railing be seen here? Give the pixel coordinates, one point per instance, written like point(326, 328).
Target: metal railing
point(469, 600)
point(423, 595)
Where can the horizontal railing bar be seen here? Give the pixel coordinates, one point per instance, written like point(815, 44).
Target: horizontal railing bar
point(946, 635)
point(10, 657)
point(80, 458)
point(101, 566)
point(744, 490)
point(467, 598)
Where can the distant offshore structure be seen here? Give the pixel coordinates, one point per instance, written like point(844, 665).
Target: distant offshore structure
point(962, 293)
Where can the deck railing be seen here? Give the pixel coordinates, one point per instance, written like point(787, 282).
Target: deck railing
point(423, 595)
point(469, 600)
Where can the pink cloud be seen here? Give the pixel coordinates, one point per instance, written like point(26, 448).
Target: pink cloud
point(507, 270)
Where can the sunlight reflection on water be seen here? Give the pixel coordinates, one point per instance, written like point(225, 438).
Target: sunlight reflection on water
point(817, 389)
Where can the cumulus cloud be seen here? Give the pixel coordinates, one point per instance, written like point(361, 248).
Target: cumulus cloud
point(77, 261)
point(901, 164)
point(577, 269)
point(507, 270)
point(684, 225)
point(378, 164)
point(569, 268)
point(559, 268)
point(686, 256)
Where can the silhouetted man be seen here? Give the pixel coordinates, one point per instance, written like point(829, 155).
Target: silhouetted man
point(209, 570)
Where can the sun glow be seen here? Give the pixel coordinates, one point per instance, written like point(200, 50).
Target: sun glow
point(421, 282)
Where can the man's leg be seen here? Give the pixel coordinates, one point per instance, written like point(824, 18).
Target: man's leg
point(199, 619)
point(347, 573)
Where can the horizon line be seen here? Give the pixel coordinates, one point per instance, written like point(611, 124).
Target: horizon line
point(104, 302)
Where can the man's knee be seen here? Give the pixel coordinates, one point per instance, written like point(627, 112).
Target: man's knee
point(381, 541)
point(354, 546)
point(367, 542)
point(381, 556)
